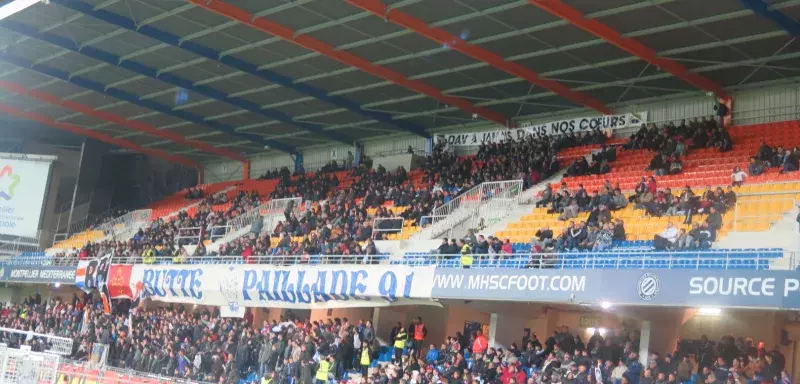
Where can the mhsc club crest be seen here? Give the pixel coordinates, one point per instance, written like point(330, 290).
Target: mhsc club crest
point(648, 286)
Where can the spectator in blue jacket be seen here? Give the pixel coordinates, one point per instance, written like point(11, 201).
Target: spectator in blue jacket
point(183, 362)
point(433, 355)
point(634, 369)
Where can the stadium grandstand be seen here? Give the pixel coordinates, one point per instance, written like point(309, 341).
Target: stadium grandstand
point(400, 191)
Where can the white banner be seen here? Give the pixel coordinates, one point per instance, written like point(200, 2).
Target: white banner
point(303, 287)
point(578, 125)
point(22, 188)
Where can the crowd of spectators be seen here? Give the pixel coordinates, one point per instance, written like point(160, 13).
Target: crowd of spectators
point(194, 193)
point(671, 142)
point(338, 222)
point(687, 203)
point(96, 221)
point(788, 160)
point(673, 139)
point(339, 218)
point(168, 236)
point(201, 345)
point(599, 231)
point(599, 164)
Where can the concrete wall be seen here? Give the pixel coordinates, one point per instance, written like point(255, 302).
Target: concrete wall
point(760, 325)
point(352, 314)
point(457, 315)
point(509, 330)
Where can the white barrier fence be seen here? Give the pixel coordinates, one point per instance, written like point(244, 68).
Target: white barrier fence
point(125, 226)
point(268, 214)
point(26, 367)
point(55, 344)
point(481, 205)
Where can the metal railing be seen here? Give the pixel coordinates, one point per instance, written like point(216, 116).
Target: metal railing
point(398, 151)
point(188, 236)
point(216, 232)
point(125, 226)
point(766, 114)
point(56, 344)
point(476, 207)
point(11, 246)
point(701, 259)
point(72, 371)
point(619, 259)
point(387, 225)
point(270, 213)
point(27, 366)
point(264, 260)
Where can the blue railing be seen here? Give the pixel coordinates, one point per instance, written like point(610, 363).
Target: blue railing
point(622, 258)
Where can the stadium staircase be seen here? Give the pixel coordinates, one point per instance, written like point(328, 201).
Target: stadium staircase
point(268, 214)
point(487, 213)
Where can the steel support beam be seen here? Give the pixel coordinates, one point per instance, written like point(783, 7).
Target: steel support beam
point(133, 99)
point(407, 21)
point(576, 18)
point(245, 67)
point(524, 56)
point(760, 8)
point(16, 112)
point(487, 39)
point(168, 78)
point(118, 120)
point(559, 72)
point(346, 58)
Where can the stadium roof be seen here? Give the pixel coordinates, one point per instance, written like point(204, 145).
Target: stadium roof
point(242, 75)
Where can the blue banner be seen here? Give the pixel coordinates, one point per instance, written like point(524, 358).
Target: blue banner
point(44, 275)
point(665, 287)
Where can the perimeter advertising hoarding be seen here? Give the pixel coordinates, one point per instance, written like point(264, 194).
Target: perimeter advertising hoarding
point(665, 287)
point(369, 286)
point(43, 275)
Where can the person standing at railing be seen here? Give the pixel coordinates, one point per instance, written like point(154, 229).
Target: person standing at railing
point(418, 332)
point(400, 340)
point(466, 255)
point(149, 256)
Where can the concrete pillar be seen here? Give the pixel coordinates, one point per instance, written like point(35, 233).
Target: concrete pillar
point(505, 329)
point(492, 336)
point(384, 319)
point(552, 318)
point(644, 342)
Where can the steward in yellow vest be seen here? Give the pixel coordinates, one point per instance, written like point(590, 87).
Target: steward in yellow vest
point(365, 360)
point(323, 369)
point(399, 343)
point(149, 256)
point(466, 255)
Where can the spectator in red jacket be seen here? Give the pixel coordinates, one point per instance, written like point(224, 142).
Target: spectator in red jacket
point(513, 372)
point(507, 249)
point(652, 186)
point(480, 344)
